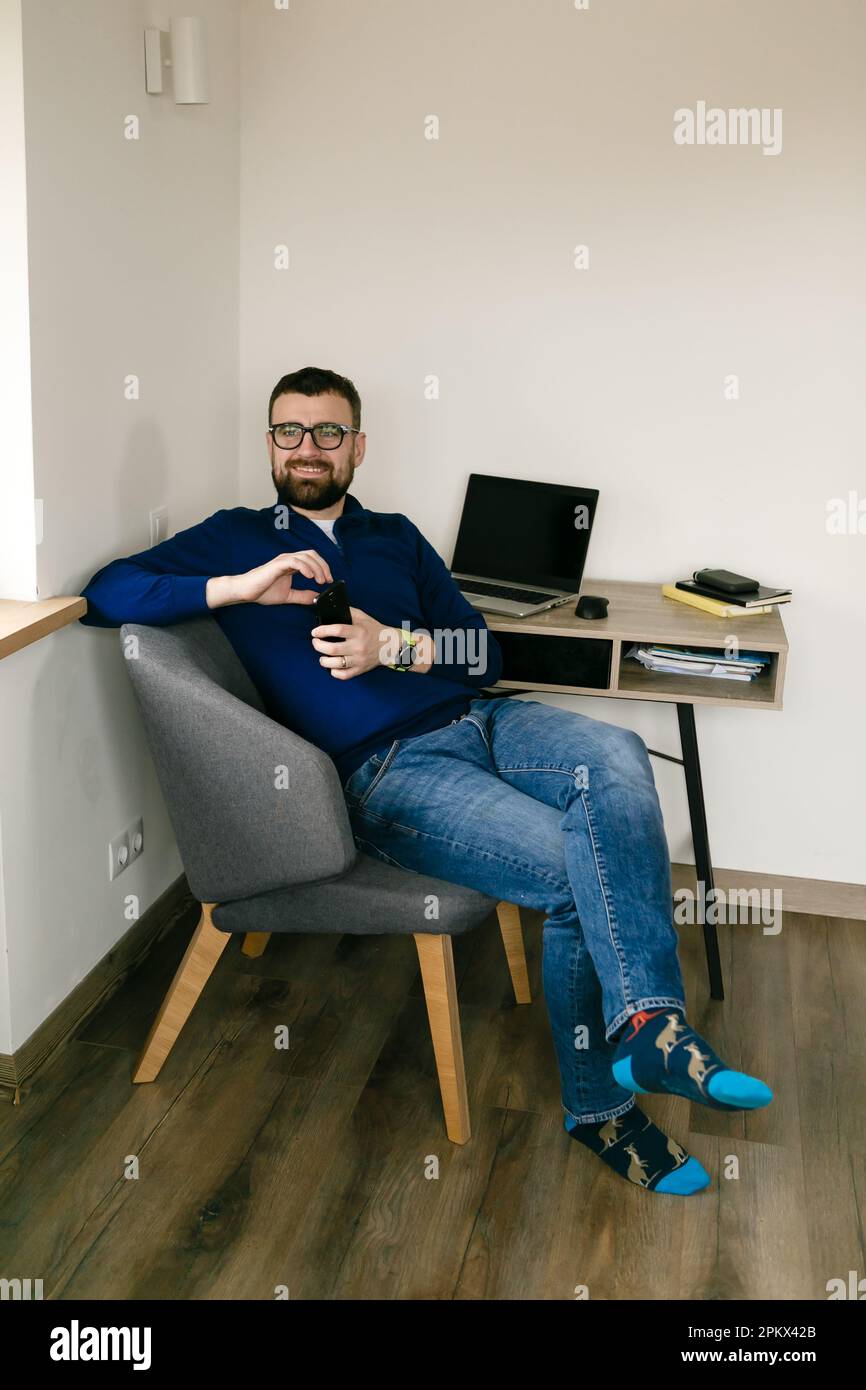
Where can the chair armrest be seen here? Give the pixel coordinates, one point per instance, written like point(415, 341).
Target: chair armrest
point(254, 807)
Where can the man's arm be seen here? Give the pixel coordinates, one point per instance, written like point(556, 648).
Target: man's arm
point(192, 573)
point(460, 646)
point(165, 584)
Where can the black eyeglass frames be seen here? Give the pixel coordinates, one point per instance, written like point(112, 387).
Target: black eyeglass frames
point(326, 436)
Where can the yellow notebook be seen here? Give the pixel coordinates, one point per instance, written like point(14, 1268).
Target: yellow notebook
point(711, 605)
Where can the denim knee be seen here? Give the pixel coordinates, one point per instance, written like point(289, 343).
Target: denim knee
point(630, 755)
point(560, 909)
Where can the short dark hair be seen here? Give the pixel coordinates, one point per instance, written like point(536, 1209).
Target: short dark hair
point(318, 381)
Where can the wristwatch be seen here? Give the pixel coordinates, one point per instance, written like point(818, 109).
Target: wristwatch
point(408, 653)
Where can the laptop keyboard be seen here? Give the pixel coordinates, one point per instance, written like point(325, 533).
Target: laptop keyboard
point(488, 590)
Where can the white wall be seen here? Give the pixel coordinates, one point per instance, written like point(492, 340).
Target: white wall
point(134, 269)
point(455, 257)
point(17, 512)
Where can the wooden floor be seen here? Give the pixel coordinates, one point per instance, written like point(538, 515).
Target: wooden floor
point(308, 1168)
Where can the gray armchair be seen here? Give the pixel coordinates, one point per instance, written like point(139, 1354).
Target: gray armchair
point(265, 840)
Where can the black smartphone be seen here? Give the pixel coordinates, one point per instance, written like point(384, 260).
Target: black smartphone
point(332, 606)
point(727, 582)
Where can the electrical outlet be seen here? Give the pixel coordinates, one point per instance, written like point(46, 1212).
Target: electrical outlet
point(158, 525)
point(118, 855)
point(135, 835)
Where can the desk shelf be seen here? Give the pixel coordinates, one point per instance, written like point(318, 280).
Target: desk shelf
point(638, 613)
point(636, 682)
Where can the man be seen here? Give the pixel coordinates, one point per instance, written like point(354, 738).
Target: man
point(522, 800)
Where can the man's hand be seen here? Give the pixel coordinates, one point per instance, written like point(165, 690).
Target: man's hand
point(271, 583)
point(365, 643)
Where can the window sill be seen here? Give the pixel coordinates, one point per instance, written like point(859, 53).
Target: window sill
point(22, 623)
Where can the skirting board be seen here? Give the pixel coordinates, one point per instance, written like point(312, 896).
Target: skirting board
point(819, 896)
point(97, 986)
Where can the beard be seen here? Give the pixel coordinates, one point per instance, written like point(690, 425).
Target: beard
point(313, 494)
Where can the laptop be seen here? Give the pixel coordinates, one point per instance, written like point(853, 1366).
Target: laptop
point(522, 545)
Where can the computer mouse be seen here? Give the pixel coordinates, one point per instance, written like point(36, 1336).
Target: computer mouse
point(591, 606)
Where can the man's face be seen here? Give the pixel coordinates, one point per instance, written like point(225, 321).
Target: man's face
point(307, 477)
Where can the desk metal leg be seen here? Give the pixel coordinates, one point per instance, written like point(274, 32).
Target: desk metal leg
point(700, 839)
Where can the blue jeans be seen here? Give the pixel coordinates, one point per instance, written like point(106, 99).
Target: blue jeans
point(551, 810)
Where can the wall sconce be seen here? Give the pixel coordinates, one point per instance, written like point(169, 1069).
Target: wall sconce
point(183, 50)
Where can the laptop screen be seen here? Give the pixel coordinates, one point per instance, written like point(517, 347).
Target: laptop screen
point(524, 532)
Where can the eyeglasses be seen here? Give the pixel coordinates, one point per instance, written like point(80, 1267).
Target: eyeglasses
point(325, 436)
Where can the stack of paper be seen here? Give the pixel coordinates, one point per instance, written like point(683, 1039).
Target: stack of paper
point(685, 661)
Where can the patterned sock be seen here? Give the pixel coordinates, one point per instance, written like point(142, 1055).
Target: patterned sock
point(637, 1149)
point(658, 1051)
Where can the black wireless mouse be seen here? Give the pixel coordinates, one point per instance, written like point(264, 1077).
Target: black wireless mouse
point(591, 606)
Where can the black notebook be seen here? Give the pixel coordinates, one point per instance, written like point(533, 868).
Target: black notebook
point(754, 599)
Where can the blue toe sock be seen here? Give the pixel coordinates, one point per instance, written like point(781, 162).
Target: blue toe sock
point(736, 1089)
point(659, 1052)
point(690, 1177)
point(639, 1151)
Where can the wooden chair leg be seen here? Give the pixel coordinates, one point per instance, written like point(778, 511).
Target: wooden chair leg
point(440, 991)
point(193, 973)
point(255, 943)
point(515, 952)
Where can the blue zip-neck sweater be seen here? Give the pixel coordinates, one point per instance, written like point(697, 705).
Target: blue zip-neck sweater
point(392, 573)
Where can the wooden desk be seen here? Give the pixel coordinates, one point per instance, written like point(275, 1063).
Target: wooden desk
point(560, 652)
